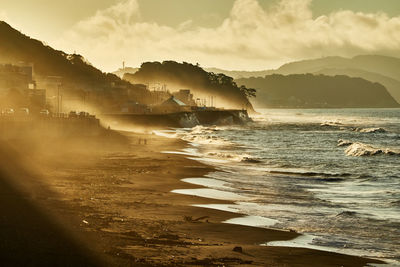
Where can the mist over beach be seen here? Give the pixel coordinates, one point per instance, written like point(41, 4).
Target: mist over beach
point(211, 133)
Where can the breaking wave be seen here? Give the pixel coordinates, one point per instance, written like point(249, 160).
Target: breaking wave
point(319, 175)
point(370, 130)
point(203, 129)
point(331, 124)
point(360, 150)
point(206, 140)
point(233, 157)
point(347, 214)
point(342, 142)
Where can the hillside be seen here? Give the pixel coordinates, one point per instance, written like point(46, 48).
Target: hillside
point(392, 85)
point(203, 84)
point(121, 72)
point(386, 66)
point(78, 76)
point(237, 74)
point(318, 91)
point(382, 69)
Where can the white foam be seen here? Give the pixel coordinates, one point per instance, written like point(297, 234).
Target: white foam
point(342, 142)
point(183, 152)
point(370, 130)
point(166, 133)
point(207, 182)
point(210, 160)
point(223, 207)
point(206, 140)
point(360, 149)
point(210, 193)
point(305, 241)
point(256, 221)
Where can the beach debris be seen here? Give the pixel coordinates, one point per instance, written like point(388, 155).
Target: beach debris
point(169, 237)
point(190, 218)
point(85, 222)
point(238, 249)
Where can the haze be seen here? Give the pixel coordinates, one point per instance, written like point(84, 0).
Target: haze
point(229, 34)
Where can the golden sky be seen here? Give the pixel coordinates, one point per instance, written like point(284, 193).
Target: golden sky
point(231, 34)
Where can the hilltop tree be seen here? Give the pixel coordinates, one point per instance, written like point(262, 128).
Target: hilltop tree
point(193, 77)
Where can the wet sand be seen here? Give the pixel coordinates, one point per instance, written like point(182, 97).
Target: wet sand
point(90, 203)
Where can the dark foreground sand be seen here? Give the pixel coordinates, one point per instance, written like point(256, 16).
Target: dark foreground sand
point(89, 203)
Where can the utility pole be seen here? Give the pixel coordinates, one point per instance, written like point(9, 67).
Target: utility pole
point(58, 100)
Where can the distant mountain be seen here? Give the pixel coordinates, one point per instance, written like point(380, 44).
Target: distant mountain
point(382, 69)
point(374, 68)
point(234, 74)
point(383, 65)
point(78, 77)
point(318, 91)
point(392, 85)
point(203, 84)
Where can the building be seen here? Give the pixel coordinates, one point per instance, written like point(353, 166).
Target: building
point(185, 96)
point(52, 84)
point(18, 88)
point(36, 98)
point(171, 105)
point(15, 77)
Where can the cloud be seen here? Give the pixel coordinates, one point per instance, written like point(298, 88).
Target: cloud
point(249, 38)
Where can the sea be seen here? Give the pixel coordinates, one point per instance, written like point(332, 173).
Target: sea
point(332, 175)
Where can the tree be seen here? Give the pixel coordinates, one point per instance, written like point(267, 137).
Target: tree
point(249, 92)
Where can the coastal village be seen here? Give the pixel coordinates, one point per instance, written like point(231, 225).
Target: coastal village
point(45, 96)
point(25, 97)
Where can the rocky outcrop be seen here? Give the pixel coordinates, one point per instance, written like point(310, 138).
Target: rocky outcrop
point(178, 120)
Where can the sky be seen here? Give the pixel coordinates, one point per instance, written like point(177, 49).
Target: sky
point(228, 34)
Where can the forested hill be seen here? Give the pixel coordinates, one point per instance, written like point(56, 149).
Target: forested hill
point(318, 91)
point(76, 73)
point(374, 68)
point(202, 83)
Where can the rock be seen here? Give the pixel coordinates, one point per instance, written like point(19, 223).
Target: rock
point(238, 249)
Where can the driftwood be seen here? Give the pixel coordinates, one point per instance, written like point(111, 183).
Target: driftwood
point(190, 218)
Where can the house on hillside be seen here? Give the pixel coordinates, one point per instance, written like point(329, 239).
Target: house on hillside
point(185, 96)
point(18, 89)
point(171, 105)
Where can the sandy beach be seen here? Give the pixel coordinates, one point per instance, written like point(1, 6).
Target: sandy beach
point(107, 201)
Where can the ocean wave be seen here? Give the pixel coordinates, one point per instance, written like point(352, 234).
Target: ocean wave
point(333, 177)
point(233, 157)
point(370, 130)
point(347, 214)
point(203, 129)
point(331, 124)
point(342, 142)
point(250, 160)
point(360, 150)
point(206, 140)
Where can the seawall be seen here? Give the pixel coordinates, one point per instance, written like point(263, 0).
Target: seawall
point(180, 119)
point(21, 127)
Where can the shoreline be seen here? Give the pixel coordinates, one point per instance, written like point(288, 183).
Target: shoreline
point(119, 203)
point(212, 189)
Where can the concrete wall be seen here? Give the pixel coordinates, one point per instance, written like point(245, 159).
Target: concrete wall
point(180, 119)
point(21, 126)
